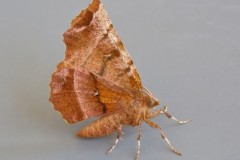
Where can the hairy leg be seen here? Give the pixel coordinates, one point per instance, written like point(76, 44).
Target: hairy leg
point(116, 141)
point(139, 140)
point(154, 125)
point(164, 111)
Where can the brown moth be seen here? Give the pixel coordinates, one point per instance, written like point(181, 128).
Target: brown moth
point(98, 78)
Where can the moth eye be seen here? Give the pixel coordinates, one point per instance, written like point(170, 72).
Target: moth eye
point(150, 103)
point(153, 102)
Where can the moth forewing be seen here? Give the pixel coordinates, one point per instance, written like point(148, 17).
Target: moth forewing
point(98, 78)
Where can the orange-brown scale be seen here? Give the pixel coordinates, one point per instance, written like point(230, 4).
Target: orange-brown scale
point(103, 126)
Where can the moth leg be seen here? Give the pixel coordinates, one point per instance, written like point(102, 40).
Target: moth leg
point(168, 115)
point(116, 141)
point(139, 140)
point(155, 113)
point(154, 125)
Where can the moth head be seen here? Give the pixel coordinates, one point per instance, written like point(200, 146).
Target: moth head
point(152, 101)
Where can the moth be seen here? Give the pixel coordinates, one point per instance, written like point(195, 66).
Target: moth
point(98, 78)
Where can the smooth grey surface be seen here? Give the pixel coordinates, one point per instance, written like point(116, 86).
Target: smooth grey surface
point(187, 53)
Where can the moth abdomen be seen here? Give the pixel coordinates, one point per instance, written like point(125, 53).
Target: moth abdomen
point(102, 127)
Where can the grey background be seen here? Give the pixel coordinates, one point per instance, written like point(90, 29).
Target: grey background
point(187, 53)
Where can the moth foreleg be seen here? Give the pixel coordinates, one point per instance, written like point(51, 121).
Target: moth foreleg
point(168, 115)
point(119, 132)
point(155, 113)
point(139, 140)
point(154, 125)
